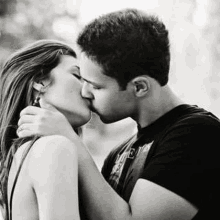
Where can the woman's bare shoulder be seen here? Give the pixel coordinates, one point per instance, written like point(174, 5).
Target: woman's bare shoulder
point(48, 153)
point(46, 144)
point(52, 145)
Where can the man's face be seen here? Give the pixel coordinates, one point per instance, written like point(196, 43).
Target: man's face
point(107, 99)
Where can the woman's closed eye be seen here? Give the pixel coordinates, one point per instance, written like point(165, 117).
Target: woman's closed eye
point(77, 76)
point(96, 87)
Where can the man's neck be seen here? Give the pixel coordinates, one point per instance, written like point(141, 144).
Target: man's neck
point(156, 106)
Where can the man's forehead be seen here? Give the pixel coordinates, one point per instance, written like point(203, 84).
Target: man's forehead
point(85, 59)
point(90, 68)
point(92, 72)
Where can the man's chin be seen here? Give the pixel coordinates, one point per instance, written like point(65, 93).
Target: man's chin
point(106, 120)
point(103, 118)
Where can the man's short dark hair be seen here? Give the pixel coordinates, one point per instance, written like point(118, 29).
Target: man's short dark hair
point(128, 43)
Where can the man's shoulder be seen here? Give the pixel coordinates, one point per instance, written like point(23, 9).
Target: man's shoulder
point(197, 116)
point(202, 118)
point(198, 128)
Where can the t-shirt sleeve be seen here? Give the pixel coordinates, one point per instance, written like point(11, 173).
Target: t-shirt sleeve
point(186, 159)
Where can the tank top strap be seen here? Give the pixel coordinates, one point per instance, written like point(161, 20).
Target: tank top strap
point(17, 174)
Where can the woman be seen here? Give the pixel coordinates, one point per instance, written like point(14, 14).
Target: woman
point(46, 186)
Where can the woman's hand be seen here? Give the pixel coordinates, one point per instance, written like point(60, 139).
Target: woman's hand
point(43, 121)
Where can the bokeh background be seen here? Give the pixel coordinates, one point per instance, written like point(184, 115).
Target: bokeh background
point(195, 48)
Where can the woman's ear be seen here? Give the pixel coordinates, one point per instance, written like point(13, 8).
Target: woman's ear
point(42, 85)
point(38, 86)
point(141, 85)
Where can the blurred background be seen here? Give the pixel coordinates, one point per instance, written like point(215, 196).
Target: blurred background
point(195, 48)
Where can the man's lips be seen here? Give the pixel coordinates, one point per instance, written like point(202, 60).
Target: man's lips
point(92, 108)
point(89, 104)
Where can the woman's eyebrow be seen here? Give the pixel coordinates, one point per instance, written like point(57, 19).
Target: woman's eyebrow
point(90, 82)
point(75, 68)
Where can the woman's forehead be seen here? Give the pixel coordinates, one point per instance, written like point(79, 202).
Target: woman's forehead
point(67, 62)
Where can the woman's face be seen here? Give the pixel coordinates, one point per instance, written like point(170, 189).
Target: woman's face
point(64, 91)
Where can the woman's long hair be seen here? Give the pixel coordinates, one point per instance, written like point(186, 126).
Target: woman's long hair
point(24, 67)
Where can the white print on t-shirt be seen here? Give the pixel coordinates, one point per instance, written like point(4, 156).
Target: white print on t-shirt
point(147, 147)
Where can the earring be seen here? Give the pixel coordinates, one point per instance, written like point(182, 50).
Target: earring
point(37, 101)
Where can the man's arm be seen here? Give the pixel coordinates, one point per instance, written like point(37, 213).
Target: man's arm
point(100, 201)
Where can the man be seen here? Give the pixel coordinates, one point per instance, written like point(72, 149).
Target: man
point(168, 169)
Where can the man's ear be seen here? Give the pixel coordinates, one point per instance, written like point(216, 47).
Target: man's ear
point(141, 85)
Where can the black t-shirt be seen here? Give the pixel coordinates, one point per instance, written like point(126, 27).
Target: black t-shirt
point(180, 151)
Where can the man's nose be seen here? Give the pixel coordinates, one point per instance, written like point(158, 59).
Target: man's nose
point(86, 91)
